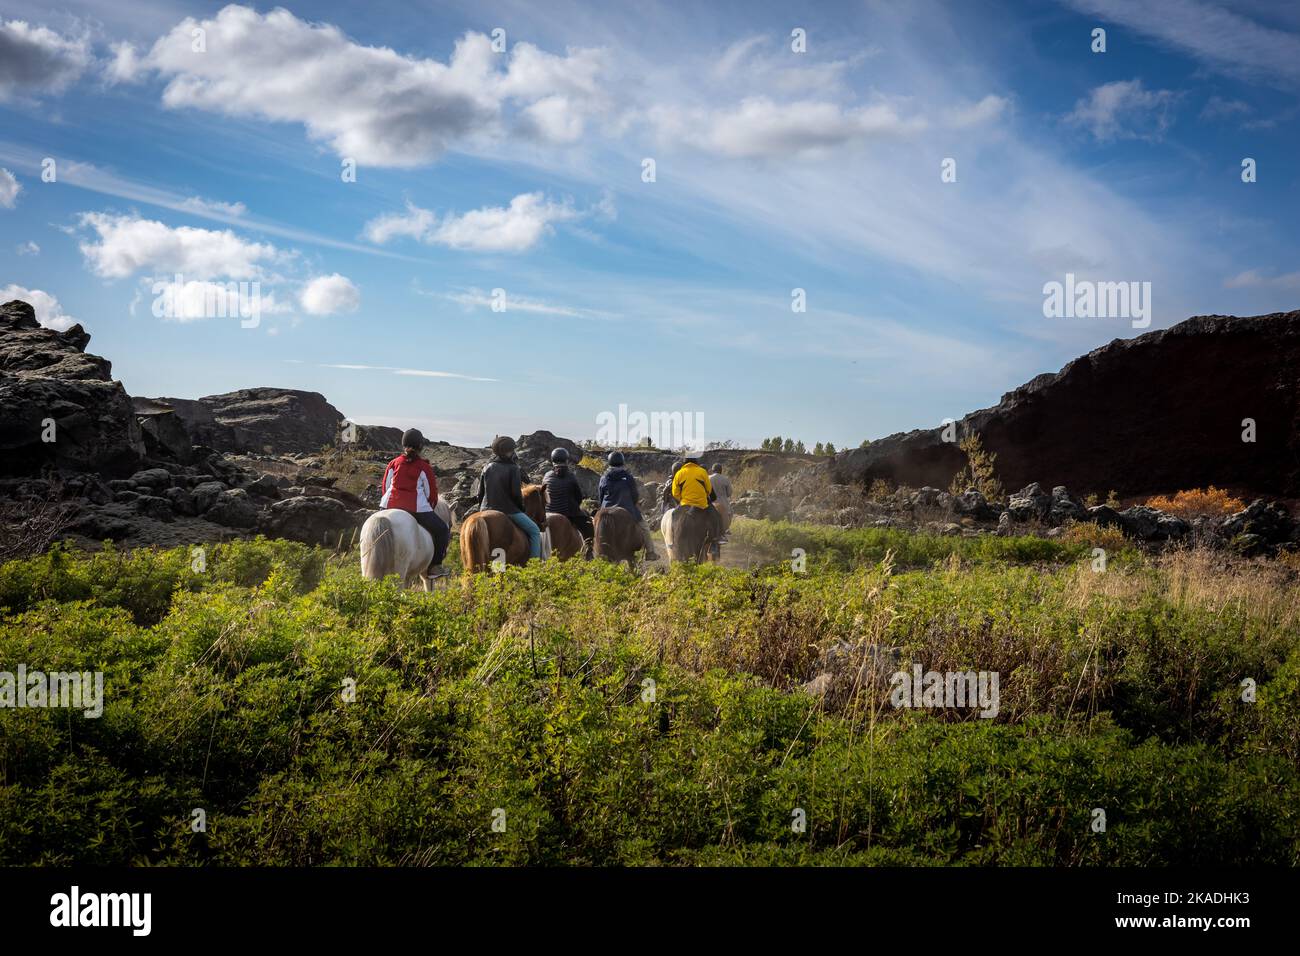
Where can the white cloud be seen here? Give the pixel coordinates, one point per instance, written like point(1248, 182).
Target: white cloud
point(29, 248)
point(9, 189)
point(327, 295)
point(125, 66)
point(761, 127)
point(1124, 109)
point(1254, 279)
point(514, 228)
point(985, 111)
point(208, 207)
point(1216, 107)
point(373, 104)
point(128, 244)
point(36, 60)
point(48, 310)
point(415, 223)
point(194, 300)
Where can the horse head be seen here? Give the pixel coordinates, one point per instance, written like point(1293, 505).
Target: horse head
point(535, 504)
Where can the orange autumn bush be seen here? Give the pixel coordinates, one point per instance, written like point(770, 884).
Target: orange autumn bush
point(1197, 501)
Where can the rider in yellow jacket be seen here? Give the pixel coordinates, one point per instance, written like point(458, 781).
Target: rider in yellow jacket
point(693, 489)
point(691, 485)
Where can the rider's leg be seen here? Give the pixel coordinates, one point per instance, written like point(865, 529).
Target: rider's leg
point(647, 541)
point(436, 527)
point(529, 527)
point(715, 548)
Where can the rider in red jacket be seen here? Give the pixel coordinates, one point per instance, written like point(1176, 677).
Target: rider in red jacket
point(411, 485)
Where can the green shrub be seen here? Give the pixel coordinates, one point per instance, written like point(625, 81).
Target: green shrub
point(608, 718)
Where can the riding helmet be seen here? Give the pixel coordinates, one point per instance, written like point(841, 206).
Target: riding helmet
point(615, 459)
point(560, 456)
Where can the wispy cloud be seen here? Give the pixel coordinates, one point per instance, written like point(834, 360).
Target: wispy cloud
point(476, 299)
point(397, 370)
point(97, 180)
point(1254, 279)
point(1220, 38)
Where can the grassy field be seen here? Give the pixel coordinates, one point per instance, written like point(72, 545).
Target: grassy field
point(578, 714)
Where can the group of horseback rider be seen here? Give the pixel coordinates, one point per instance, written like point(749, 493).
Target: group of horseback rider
point(409, 484)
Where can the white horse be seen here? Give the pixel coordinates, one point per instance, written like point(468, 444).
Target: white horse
point(392, 542)
point(666, 527)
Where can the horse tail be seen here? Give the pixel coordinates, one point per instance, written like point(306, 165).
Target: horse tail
point(476, 544)
point(378, 548)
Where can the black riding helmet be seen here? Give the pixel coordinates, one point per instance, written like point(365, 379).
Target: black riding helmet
point(615, 459)
point(560, 456)
point(412, 438)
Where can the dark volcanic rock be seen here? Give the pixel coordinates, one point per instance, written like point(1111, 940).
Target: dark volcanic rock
point(160, 509)
point(1270, 522)
point(257, 420)
point(1151, 414)
point(1030, 503)
point(312, 519)
point(165, 435)
point(46, 375)
point(205, 495)
point(383, 438)
point(232, 509)
point(972, 504)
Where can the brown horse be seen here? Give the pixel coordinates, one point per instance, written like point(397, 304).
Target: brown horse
point(484, 532)
point(617, 537)
point(689, 534)
point(566, 541)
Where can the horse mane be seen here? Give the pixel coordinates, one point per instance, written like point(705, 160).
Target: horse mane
point(535, 503)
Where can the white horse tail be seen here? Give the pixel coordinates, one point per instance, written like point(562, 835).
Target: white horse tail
point(378, 548)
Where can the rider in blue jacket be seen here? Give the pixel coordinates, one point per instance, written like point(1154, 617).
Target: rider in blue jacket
point(618, 489)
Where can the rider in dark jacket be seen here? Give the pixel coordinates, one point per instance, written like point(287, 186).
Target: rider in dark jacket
point(564, 494)
point(618, 489)
point(500, 489)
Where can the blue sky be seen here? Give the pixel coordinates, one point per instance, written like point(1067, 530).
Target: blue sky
point(522, 169)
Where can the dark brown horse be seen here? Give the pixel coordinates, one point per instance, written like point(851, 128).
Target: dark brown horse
point(483, 532)
point(566, 541)
point(617, 537)
point(689, 534)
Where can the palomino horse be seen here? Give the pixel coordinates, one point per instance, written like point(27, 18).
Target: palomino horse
point(484, 532)
point(617, 537)
point(688, 534)
point(392, 542)
point(566, 541)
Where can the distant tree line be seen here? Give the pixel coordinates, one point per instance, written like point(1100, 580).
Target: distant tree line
point(794, 447)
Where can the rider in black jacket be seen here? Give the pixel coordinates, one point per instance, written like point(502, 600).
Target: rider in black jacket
point(564, 494)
